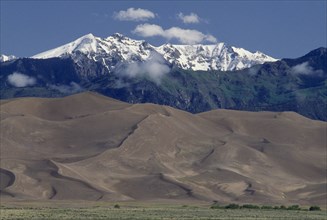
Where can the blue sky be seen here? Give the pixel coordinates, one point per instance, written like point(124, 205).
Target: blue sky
point(282, 29)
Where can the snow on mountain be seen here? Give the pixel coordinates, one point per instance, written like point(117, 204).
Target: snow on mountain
point(211, 57)
point(117, 48)
point(94, 47)
point(5, 58)
point(86, 44)
point(109, 51)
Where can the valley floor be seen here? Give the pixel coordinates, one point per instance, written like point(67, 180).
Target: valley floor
point(82, 210)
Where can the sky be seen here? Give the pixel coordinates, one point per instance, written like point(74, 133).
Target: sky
point(281, 29)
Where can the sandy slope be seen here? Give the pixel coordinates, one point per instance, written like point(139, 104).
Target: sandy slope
point(90, 147)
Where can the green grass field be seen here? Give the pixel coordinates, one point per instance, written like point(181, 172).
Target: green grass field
point(150, 212)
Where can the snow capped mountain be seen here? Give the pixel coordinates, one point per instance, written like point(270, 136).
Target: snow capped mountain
point(109, 51)
point(211, 57)
point(95, 47)
point(4, 58)
point(85, 44)
point(117, 49)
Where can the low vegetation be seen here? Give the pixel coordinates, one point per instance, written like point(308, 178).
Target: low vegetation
point(215, 205)
point(155, 212)
point(314, 208)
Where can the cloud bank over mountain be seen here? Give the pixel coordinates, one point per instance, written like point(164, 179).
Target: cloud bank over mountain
point(154, 68)
point(21, 80)
point(305, 69)
point(185, 36)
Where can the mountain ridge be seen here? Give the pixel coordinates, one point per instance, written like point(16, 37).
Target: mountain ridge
point(124, 49)
point(297, 85)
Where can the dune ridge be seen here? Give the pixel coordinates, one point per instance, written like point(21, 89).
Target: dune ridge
point(90, 147)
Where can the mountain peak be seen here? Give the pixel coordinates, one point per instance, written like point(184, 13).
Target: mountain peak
point(118, 35)
point(85, 44)
point(88, 36)
point(318, 52)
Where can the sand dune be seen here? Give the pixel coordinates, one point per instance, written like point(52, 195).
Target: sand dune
point(90, 147)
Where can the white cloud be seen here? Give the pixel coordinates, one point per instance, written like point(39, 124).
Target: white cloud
point(154, 68)
point(21, 80)
point(189, 19)
point(67, 89)
point(148, 30)
point(186, 36)
point(305, 69)
point(134, 14)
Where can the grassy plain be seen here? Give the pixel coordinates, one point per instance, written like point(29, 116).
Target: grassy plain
point(143, 211)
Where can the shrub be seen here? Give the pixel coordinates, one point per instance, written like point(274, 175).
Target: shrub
point(267, 207)
point(294, 207)
point(282, 207)
point(314, 208)
point(116, 206)
point(232, 206)
point(215, 206)
point(249, 206)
